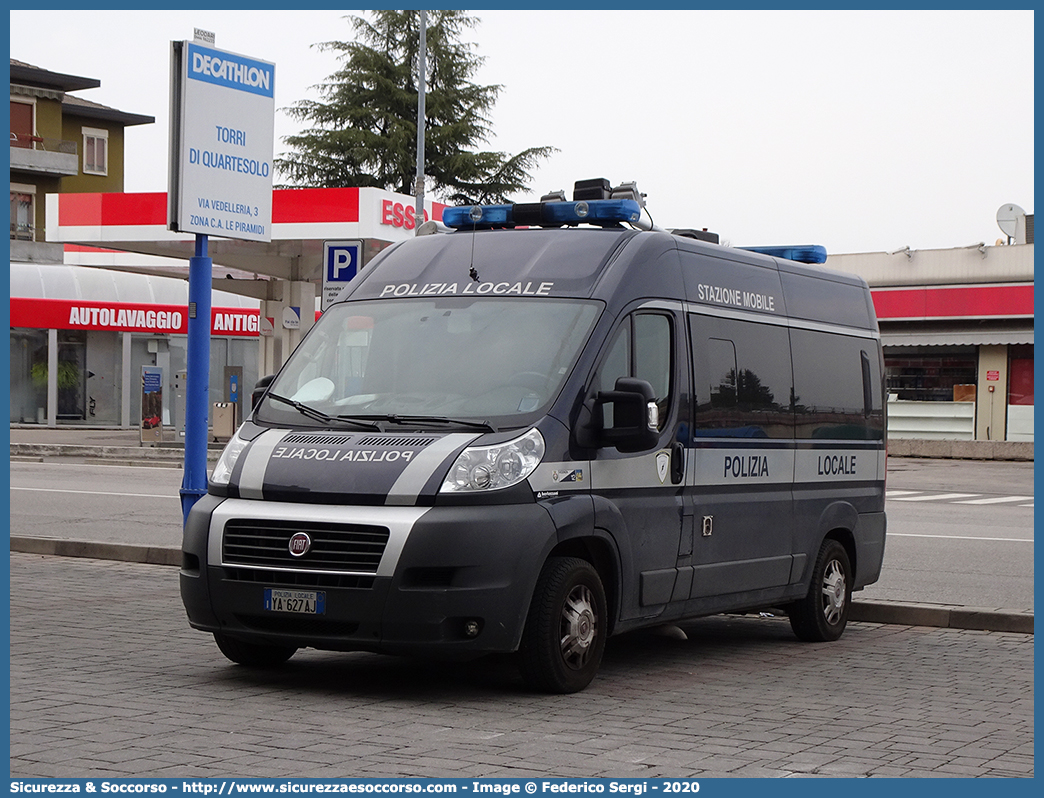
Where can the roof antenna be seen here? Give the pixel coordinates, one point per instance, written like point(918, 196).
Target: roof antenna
point(475, 214)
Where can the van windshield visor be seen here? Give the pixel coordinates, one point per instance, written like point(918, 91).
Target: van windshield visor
point(493, 361)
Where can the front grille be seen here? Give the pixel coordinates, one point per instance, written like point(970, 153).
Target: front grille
point(412, 441)
point(335, 547)
point(298, 578)
point(318, 438)
point(297, 624)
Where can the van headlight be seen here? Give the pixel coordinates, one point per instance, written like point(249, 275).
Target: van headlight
point(223, 470)
point(480, 468)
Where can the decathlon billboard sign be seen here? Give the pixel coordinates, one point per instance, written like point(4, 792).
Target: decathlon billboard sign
point(222, 115)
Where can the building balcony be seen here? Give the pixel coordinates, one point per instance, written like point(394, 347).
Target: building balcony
point(44, 156)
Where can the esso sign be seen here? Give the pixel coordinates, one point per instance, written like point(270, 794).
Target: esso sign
point(398, 215)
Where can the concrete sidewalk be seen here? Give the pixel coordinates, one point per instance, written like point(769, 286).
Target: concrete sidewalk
point(123, 446)
point(101, 443)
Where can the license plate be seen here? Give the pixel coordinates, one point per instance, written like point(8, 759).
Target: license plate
point(308, 602)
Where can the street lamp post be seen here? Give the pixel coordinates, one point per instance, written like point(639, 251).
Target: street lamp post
point(422, 68)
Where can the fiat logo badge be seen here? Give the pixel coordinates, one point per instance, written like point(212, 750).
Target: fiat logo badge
point(300, 544)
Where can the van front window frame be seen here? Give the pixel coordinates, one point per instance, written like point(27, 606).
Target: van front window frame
point(497, 360)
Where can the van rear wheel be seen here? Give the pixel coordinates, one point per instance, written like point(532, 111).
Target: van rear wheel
point(253, 655)
point(823, 614)
point(565, 632)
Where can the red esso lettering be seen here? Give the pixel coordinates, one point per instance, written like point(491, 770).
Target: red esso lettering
point(398, 215)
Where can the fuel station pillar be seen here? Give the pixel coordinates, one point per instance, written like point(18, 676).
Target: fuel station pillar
point(287, 313)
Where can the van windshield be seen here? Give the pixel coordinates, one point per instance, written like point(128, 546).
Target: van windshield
point(495, 360)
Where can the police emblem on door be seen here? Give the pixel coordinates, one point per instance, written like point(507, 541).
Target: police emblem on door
point(663, 463)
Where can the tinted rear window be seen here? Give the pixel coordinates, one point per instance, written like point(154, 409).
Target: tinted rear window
point(818, 299)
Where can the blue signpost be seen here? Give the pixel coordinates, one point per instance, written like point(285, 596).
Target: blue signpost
point(221, 136)
point(197, 389)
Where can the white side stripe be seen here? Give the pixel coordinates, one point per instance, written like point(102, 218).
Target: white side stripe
point(252, 477)
point(411, 481)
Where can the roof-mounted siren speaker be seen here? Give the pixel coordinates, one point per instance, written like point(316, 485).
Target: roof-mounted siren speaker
point(1011, 219)
point(628, 191)
point(699, 235)
point(594, 189)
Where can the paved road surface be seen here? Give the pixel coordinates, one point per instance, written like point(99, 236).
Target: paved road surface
point(107, 679)
point(939, 550)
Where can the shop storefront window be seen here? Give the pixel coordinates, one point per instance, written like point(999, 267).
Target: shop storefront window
point(931, 374)
point(72, 375)
point(28, 376)
point(1020, 375)
point(104, 377)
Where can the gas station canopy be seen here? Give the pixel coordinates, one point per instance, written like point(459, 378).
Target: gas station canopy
point(128, 232)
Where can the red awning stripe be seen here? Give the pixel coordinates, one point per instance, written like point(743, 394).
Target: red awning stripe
point(954, 302)
point(159, 319)
point(308, 205)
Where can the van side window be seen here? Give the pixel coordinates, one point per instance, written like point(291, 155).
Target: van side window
point(642, 348)
point(721, 371)
point(742, 379)
point(837, 387)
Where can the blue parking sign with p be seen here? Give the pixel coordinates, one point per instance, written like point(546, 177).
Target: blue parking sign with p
point(341, 263)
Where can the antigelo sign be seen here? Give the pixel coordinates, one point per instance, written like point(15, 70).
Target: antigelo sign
point(221, 134)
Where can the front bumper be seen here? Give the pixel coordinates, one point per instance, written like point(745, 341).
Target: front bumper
point(441, 570)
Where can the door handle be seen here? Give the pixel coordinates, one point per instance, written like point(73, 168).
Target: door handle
point(677, 462)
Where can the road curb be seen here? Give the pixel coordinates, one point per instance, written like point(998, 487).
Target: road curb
point(939, 615)
point(943, 615)
point(123, 552)
point(123, 454)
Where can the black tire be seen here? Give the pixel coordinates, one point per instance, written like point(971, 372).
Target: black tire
point(565, 632)
point(823, 614)
point(253, 655)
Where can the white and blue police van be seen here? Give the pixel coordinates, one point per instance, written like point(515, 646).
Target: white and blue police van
point(543, 425)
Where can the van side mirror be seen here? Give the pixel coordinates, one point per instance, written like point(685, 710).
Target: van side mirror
point(635, 417)
point(259, 389)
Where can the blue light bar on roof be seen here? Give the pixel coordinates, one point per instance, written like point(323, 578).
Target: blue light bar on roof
point(544, 214)
point(808, 253)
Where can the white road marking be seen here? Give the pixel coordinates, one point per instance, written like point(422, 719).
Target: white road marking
point(934, 497)
point(957, 537)
point(104, 493)
point(996, 500)
point(143, 464)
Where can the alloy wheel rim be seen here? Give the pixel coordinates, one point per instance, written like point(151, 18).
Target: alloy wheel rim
point(579, 628)
point(834, 592)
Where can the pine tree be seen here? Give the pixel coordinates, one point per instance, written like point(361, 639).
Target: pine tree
point(363, 131)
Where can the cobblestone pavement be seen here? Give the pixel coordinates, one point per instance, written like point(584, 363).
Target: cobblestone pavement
point(107, 679)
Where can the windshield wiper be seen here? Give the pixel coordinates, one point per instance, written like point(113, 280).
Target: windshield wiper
point(395, 418)
point(319, 415)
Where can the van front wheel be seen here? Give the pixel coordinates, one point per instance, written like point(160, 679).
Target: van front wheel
point(253, 655)
point(565, 631)
point(822, 615)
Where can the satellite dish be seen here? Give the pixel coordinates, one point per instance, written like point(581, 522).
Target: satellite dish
point(1007, 218)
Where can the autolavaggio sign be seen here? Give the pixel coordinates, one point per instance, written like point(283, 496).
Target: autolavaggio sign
point(68, 314)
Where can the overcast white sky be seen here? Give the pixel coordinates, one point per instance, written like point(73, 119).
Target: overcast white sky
point(859, 130)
